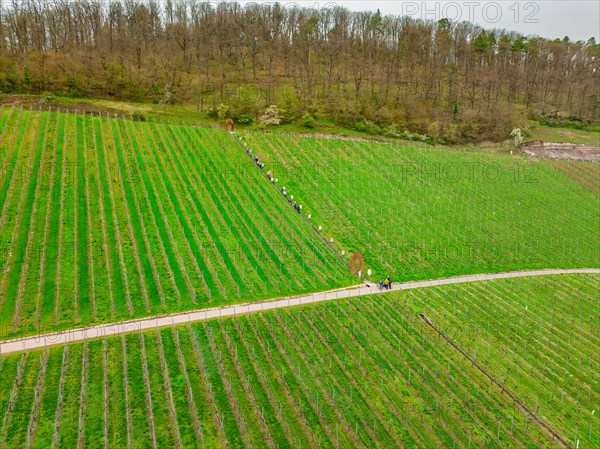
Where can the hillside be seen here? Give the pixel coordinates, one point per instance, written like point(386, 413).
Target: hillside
point(449, 80)
point(423, 213)
point(361, 373)
point(258, 225)
point(105, 219)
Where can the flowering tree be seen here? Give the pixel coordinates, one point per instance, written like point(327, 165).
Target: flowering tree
point(272, 116)
point(517, 136)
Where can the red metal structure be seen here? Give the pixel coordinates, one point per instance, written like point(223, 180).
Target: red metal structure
point(361, 261)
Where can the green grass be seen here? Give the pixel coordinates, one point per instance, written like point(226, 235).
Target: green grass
point(49, 283)
point(23, 238)
point(365, 372)
point(418, 214)
point(142, 219)
point(83, 259)
point(564, 135)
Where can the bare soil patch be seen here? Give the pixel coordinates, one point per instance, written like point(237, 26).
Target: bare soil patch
point(562, 151)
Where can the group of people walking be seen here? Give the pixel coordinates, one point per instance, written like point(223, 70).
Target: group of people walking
point(291, 200)
point(255, 159)
point(385, 284)
point(258, 163)
point(297, 207)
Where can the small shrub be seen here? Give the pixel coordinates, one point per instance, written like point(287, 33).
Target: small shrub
point(308, 121)
point(244, 119)
point(394, 131)
point(222, 111)
point(47, 98)
point(367, 126)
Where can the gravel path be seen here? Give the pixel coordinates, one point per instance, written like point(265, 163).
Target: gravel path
point(105, 330)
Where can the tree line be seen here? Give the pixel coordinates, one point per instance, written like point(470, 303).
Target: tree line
point(452, 81)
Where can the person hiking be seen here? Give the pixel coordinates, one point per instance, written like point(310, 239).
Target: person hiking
point(380, 284)
point(386, 283)
point(389, 281)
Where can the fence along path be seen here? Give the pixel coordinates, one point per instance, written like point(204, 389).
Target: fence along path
point(123, 327)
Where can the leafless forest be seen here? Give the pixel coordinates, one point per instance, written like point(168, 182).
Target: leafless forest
point(451, 80)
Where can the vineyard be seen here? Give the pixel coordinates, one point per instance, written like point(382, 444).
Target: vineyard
point(422, 213)
point(104, 219)
point(585, 173)
point(352, 373)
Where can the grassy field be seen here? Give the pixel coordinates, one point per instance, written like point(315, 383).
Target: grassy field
point(355, 373)
point(105, 219)
point(418, 214)
point(564, 135)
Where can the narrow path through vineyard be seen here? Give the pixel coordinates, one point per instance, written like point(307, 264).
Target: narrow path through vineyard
point(41, 341)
